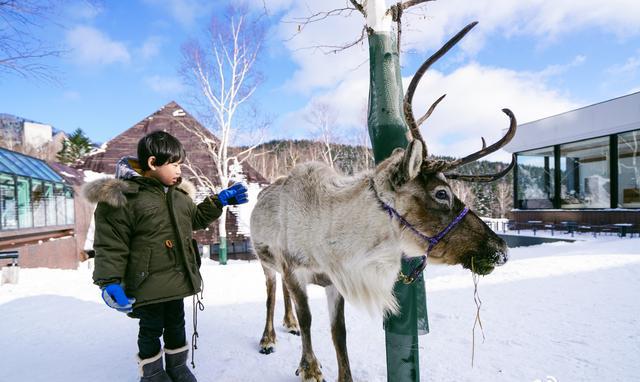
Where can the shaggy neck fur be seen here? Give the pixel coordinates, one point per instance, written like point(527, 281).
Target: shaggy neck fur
point(365, 253)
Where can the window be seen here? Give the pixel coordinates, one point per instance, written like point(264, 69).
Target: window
point(50, 204)
point(61, 204)
point(8, 208)
point(24, 203)
point(629, 169)
point(535, 179)
point(584, 171)
point(68, 197)
point(37, 203)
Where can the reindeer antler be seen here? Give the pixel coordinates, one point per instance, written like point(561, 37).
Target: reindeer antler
point(484, 152)
point(484, 178)
point(415, 129)
point(494, 147)
point(408, 98)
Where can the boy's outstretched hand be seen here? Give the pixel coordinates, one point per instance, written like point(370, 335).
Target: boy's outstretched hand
point(236, 194)
point(114, 297)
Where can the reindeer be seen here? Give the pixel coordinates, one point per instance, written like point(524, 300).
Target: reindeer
point(350, 233)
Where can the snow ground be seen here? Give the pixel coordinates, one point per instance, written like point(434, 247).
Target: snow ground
point(564, 310)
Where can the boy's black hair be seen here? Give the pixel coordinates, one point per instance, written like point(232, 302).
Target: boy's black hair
point(162, 145)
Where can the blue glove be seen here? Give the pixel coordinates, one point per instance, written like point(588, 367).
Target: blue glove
point(236, 194)
point(114, 297)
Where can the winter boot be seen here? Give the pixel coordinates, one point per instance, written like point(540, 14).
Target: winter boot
point(177, 364)
point(151, 369)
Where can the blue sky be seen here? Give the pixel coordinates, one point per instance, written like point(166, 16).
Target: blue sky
point(538, 59)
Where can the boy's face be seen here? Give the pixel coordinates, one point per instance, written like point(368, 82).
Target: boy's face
point(168, 174)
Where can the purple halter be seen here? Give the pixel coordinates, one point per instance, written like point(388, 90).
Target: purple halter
point(415, 273)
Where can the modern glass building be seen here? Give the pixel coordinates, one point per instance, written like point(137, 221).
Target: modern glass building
point(32, 195)
point(582, 165)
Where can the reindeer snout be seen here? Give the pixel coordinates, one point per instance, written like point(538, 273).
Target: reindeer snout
point(501, 258)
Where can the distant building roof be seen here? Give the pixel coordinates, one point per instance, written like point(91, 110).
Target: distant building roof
point(12, 162)
point(609, 117)
point(5, 117)
point(71, 175)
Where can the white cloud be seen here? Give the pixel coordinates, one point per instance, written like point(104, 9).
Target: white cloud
point(624, 75)
point(84, 10)
point(312, 50)
point(629, 68)
point(471, 110)
point(151, 47)
point(476, 93)
point(92, 47)
point(184, 12)
point(427, 28)
point(545, 20)
point(165, 85)
point(559, 69)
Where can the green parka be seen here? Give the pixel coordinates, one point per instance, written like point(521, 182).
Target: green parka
point(143, 237)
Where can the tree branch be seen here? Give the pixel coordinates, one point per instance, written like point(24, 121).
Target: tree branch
point(359, 7)
point(327, 49)
point(411, 3)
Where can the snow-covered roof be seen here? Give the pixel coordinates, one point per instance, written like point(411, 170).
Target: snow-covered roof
point(609, 117)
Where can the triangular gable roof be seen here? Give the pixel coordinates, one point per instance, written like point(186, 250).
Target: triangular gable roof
point(173, 119)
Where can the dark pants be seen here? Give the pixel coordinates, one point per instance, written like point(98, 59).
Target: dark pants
point(164, 319)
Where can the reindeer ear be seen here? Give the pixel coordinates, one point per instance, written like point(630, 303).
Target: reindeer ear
point(412, 160)
point(404, 166)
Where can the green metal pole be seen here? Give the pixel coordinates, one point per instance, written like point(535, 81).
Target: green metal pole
point(222, 251)
point(388, 131)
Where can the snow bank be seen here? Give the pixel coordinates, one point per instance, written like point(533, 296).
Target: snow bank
point(563, 310)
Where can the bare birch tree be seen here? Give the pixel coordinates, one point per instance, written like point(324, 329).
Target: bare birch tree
point(22, 50)
point(293, 155)
point(504, 197)
point(323, 118)
point(223, 74)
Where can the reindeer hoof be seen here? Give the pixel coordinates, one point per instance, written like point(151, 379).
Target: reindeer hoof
point(267, 350)
point(310, 373)
point(291, 327)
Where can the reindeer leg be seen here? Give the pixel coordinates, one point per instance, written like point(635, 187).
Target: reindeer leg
point(309, 368)
point(268, 341)
point(338, 332)
point(289, 322)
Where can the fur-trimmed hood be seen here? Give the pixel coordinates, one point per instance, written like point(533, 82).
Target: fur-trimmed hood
point(113, 190)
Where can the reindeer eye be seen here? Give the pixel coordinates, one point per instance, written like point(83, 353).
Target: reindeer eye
point(442, 195)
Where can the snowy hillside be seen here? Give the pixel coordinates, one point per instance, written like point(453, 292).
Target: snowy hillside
point(569, 311)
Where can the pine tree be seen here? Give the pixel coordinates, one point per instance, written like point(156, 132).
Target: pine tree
point(74, 148)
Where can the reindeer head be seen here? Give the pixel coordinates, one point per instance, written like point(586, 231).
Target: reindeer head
point(416, 187)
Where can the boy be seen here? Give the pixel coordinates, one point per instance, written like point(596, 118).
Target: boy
point(145, 262)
